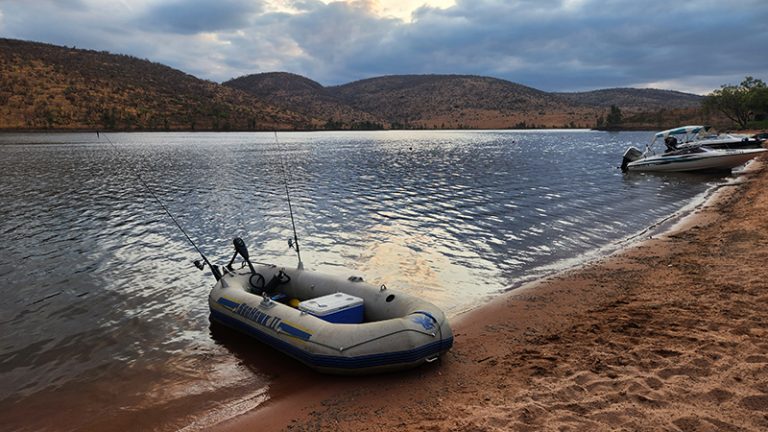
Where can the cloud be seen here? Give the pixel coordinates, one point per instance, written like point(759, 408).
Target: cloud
point(556, 45)
point(553, 45)
point(198, 16)
point(566, 45)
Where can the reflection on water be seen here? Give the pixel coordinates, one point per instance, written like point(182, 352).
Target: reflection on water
point(98, 284)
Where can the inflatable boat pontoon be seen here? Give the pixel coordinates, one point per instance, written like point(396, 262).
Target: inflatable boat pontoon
point(331, 324)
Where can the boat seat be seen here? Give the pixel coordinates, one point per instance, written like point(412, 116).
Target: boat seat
point(671, 143)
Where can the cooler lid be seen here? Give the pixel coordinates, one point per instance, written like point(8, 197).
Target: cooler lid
point(330, 303)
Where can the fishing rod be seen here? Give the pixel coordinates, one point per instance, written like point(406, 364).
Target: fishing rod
point(290, 208)
point(214, 269)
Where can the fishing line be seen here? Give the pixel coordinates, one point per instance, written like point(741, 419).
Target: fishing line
point(290, 208)
point(214, 269)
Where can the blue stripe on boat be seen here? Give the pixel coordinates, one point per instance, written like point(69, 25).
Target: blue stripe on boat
point(336, 362)
point(293, 331)
point(227, 303)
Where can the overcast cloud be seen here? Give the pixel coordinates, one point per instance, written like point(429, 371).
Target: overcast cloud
point(553, 45)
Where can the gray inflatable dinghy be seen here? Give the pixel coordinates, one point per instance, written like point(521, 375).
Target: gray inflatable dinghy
point(331, 324)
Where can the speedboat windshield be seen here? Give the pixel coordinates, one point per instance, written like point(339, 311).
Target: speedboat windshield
point(683, 130)
point(685, 134)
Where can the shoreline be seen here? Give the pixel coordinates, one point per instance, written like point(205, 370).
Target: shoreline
point(642, 338)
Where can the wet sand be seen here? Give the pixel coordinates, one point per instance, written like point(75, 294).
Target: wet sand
point(669, 334)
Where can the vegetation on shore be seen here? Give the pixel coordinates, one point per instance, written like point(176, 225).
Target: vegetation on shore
point(745, 104)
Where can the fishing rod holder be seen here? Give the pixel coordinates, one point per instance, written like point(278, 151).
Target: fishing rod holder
point(214, 269)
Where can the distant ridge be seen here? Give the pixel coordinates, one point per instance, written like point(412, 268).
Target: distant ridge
point(634, 99)
point(461, 101)
point(302, 95)
point(457, 101)
point(45, 86)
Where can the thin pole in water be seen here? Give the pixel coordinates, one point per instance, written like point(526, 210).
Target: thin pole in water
point(290, 208)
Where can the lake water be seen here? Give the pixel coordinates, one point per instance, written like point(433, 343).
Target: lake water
point(105, 316)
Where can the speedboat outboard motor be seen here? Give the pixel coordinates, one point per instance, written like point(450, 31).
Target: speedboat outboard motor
point(632, 154)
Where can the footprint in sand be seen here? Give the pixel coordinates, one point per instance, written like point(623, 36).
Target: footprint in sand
point(756, 403)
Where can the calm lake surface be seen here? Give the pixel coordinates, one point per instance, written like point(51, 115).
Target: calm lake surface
point(103, 313)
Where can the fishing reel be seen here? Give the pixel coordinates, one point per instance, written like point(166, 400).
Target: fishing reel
point(214, 269)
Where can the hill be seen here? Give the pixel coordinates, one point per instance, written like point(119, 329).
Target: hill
point(464, 101)
point(419, 101)
point(457, 101)
point(634, 99)
point(47, 86)
point(302, 95)
point(646, 108)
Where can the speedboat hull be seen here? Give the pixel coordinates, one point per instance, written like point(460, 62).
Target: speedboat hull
point(704, 159)
point(398, 331)
point(727, 142)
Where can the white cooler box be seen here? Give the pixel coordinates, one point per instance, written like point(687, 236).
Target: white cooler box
point(337, 308)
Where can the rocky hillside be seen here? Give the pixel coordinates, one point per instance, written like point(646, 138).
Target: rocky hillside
point(419, 101)
point(456, 101)
point(299, 94)
point(47, 86)
point(634, 99)
point(463, 101)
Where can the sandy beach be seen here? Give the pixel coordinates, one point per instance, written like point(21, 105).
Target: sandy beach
point(669, 334)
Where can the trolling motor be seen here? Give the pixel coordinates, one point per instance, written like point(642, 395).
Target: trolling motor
point(259, 284)
point(256, 280)
point(241, 250)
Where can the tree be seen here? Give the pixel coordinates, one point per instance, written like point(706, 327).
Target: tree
point(614, 117)
point(738, 103)
point(757, 102)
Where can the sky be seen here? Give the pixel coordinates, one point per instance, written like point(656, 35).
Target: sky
point(553, 45)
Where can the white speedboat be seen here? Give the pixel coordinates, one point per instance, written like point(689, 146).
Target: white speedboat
point(331, 324)
point(698, 158)
point(685, 137)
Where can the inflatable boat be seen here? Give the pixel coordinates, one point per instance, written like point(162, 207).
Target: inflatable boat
point(331, 324)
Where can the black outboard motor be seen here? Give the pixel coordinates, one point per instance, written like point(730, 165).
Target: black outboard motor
point(259, 284)
point(632, 154)
point(241, 250)
point(256, 280)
